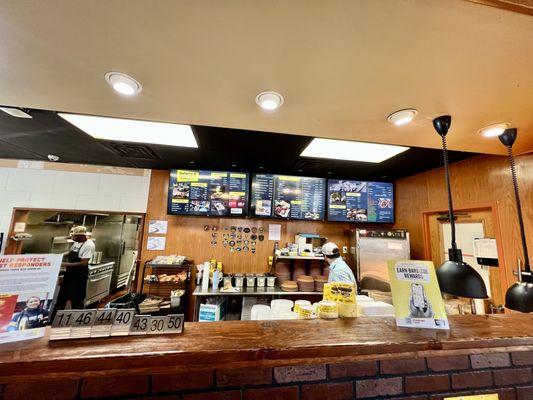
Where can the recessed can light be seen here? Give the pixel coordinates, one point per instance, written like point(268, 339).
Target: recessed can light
point(402, 117)
point(123, 84)
point(494, 130)
point(269, 100)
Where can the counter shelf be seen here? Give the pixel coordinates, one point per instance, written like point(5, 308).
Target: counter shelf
point(275, 292)
point(163, 289)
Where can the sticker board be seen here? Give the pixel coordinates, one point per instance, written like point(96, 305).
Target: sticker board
point(416, 295)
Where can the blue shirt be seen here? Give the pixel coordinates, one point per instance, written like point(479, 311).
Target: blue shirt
point(339, 271)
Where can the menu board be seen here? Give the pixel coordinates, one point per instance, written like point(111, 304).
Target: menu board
point(213, 193)
point(360, 201)
point(292, 197)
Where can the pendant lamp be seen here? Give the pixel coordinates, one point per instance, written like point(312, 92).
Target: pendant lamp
point(455, 276)
point(519, 296)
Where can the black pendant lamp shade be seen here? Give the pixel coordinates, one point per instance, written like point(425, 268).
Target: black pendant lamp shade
point(519, 296)
point(455, 276)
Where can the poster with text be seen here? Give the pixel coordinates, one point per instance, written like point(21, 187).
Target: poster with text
point(27, 286)
point(416, 295)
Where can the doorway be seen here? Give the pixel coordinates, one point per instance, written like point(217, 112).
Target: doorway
point(470, 224)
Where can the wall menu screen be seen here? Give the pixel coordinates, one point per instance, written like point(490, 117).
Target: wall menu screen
point(292, 197)
point(209, 193)
point(360, 201)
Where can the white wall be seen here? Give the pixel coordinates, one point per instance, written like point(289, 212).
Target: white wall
point(70, 186)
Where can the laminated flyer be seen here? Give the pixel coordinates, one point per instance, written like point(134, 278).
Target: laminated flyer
point(416, 295)
point(27, 285)
point(478, 397)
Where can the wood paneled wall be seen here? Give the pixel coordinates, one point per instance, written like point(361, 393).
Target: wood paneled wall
point(186, 235)
point(476, 182)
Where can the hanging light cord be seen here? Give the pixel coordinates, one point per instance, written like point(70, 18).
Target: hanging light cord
point(450, 202)
point(519, 208)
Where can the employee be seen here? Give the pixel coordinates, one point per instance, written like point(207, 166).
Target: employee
point(339, 271)
point(76, 267)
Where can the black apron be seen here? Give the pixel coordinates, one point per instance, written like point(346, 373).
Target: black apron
point(75, 279)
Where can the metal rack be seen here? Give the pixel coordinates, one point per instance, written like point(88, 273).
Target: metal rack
point(163, 289)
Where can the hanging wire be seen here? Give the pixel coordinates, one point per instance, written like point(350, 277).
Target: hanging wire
point(450, 202)
point(519, 208)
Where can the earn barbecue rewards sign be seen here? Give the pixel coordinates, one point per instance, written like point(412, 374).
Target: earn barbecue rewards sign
point(416, 295)
point(27, 285)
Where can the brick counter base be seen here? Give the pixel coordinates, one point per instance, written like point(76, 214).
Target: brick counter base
point(508, 374)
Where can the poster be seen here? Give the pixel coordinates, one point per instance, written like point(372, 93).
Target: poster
point(27, 285)
point(158, 227)
point(156, 243)
point(478, 397)
point(274, 232)
point(416, 295)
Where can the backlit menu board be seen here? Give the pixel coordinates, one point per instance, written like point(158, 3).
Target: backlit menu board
point(292, 197)
point(199, 192)
point(360, 201)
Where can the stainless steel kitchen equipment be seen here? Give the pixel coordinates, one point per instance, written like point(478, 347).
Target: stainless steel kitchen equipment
point(117, 236)
point(372, 249)
point(96, 258)
point(99, 282)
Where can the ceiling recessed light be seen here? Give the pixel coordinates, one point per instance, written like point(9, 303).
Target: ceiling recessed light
point(269, 100)
point(351, 151)
point(402, 117)
point(233, 165)
point(130, 130)
point(15, 112)
point(191, 162)
point(494, 130)
point(123, 84)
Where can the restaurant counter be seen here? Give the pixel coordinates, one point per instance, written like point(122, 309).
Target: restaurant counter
point(367, 356)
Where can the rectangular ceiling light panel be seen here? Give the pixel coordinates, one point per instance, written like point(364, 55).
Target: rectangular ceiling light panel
point(351, 151)
point(130, 130)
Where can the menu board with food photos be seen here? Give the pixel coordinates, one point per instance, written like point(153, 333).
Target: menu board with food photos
point(360, 201)
point(291, 197)
point(208, 193)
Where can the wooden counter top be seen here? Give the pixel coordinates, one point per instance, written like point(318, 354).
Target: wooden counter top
point(270, 343)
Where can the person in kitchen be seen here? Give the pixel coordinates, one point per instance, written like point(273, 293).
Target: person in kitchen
point(339, 271)
point(76, 267)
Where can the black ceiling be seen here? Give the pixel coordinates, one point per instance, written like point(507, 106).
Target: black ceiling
point(219, 149)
